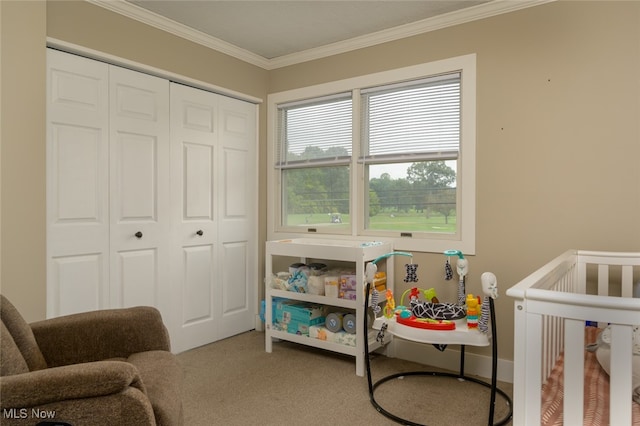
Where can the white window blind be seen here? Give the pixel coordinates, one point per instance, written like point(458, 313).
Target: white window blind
point(412, 121)
point(315, 133)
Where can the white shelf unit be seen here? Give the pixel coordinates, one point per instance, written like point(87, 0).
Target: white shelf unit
point(357, 253)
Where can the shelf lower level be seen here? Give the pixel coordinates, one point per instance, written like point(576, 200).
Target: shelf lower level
point(330, 346)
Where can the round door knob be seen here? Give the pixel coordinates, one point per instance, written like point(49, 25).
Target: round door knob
point(138, 234)
point(200, 233)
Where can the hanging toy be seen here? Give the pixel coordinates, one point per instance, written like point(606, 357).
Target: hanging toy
point(483, 322)
point(370, 272)
point(490, 290)
point(448, 271)
point(461, 290)
point(412, 275)
point(462, 268)
point(375, 299)
point(390, 306)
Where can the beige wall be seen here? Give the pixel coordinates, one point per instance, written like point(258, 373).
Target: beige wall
point(22, 131)
point(558, 144)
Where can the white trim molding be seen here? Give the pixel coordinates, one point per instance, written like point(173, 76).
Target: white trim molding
point(147, 69)
point(481, 11)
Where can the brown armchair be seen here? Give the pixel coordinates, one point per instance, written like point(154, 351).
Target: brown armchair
point(109, 367)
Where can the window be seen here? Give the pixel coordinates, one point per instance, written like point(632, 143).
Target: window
point(410, 143)
point(385, 156)
point(313, 157)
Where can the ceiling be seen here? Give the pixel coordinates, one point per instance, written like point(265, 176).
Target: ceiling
point(272, 34)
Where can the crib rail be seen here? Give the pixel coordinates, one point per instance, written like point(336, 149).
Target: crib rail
point(551, 307)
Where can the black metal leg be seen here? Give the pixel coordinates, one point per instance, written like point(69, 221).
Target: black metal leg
point(494, 362)
point(367, 361)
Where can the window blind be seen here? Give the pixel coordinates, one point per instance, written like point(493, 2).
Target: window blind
point(412, 120)
point(315, 133)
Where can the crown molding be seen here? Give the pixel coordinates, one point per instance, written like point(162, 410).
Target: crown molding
point(153, 19)
point(481, 11)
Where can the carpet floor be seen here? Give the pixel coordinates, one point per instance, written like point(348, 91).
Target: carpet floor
point(235, 382)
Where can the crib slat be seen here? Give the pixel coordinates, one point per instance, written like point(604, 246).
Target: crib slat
point(532, 380)
point(603, 280)
point(627, 281)
point(573, 372)
point(620, 379)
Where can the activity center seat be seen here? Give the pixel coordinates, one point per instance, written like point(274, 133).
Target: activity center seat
point(469, 321)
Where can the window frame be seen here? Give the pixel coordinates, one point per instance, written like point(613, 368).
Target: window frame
point(463, 239)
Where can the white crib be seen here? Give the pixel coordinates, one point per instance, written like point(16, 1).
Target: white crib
point(551, 307)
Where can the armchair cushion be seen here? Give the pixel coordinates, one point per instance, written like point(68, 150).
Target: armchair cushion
point(100, 335)
point(12, 360)
point(77, 381)
point(22, 335)
point(161, 376)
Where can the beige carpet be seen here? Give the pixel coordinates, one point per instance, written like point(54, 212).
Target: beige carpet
point(235, 382)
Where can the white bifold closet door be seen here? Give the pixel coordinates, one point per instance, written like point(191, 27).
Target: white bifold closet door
point(108, 187)
point(150, 199)
point(213, 148)
point(77, 184)
point(139, 189)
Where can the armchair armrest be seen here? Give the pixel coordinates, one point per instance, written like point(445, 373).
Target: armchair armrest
point(100, 335)
point(69, 382)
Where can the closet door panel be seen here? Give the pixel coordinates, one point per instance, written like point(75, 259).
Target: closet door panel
point(137, 167)
point(194, 135)
point(235, 281)
point(197, 183)
point(236, 184)
point(237, 167)
point(140, 199)
point(198, 274)
point(138, 270)
point(77, 184)
point(76, 283)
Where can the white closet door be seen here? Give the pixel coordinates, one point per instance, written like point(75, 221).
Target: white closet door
point(237, 213)
point(77, 184)
point(194, 132)
point(140, 192)
point(213, 170)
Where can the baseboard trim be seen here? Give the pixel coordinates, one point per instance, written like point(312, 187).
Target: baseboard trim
point(474, 364)
point(259, 323)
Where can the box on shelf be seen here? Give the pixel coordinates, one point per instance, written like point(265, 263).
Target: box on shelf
point(322, 333)
point(263, 304)
point(296, 317)
point(348, 283)
point(348, 294)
